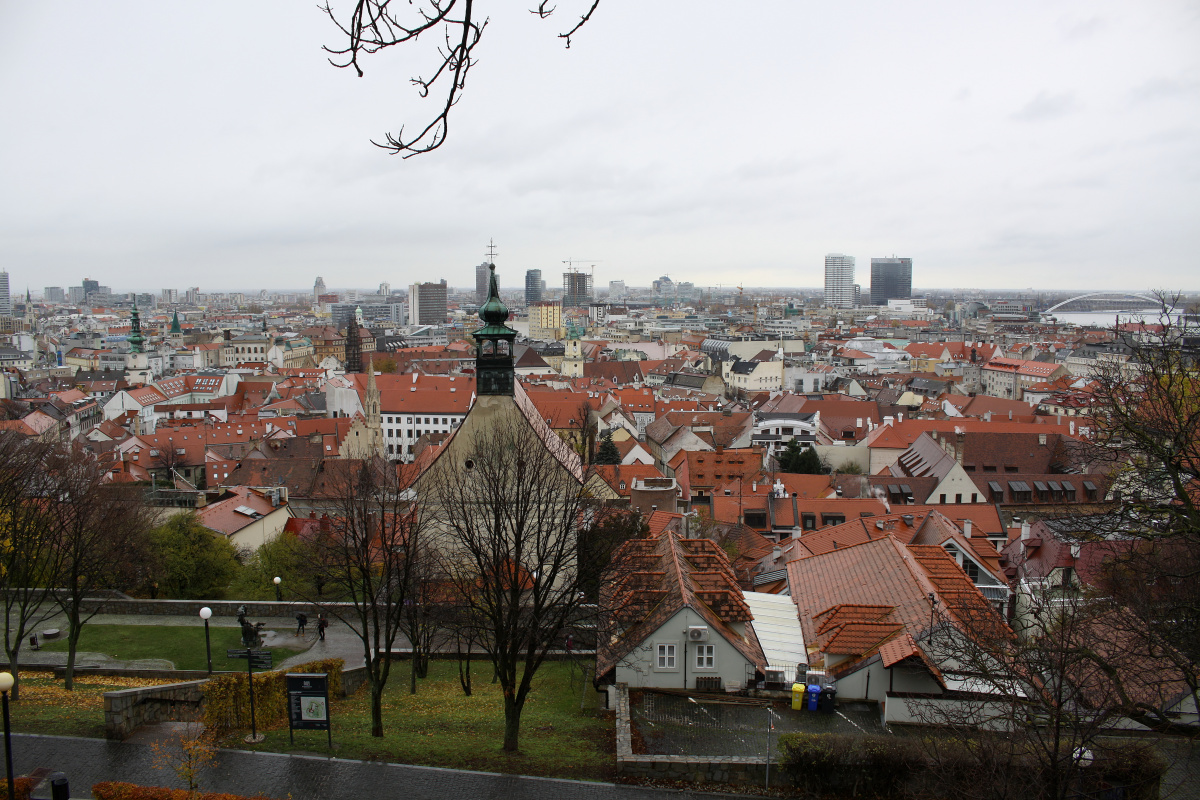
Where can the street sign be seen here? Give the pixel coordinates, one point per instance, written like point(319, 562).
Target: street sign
point(308, 703)
point(242, 653)
point(261, 659)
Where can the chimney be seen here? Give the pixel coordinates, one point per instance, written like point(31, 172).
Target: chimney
point(796, 532)
point(1010, 415)
point(961, 436)
point(776, 553)
point(1072, 427)
point(967, 528)
point(1025, 531)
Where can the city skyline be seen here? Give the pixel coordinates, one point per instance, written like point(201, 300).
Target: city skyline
point(1027, 155)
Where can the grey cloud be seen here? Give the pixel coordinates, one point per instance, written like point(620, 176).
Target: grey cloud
point(1077, 29)
point(1163, 89)
point(1046, 106)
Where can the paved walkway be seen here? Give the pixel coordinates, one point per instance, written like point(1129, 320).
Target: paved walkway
point(89, 761)
point(340, 641)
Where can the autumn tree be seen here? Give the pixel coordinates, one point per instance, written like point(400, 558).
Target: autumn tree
point(189, 561)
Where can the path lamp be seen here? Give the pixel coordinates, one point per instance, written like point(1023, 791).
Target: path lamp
point(278, 592)
point(205, 613)
point(6, 683)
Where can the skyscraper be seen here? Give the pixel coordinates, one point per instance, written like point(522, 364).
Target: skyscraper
point(839, 281)
point(533, 286)
point(481, 283)
point(5, 300)
point(427, 303)
point(90, 286)
point(891, 279)
point(318, 287)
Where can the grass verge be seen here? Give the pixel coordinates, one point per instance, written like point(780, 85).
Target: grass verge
point(440, 726)
point(184, 646)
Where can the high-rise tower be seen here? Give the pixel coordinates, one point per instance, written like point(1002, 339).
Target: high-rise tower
point(533, 286)
point(891, 279)
point(839, 281)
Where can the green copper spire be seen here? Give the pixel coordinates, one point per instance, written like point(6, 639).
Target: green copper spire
point(494, 374)
point(175, 329)
point(135, 334)
point(493, 313)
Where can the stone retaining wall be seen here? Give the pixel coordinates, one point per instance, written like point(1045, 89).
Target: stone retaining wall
point(191, 608)
point(126, 710)
point(719, 769)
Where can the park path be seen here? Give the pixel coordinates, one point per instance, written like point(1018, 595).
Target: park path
point(304, 777)
point(340, 641)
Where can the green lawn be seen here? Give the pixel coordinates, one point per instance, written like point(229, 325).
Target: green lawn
point(182, 645)
point(440, 726)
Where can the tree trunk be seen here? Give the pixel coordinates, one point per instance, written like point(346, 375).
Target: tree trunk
point(14, 663)
point(74, 629)
point(464, 672)
point(412, 674)
point(512, 722)
point(376, 708)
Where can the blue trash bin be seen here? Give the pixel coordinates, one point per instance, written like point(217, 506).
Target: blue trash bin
point(814, 696)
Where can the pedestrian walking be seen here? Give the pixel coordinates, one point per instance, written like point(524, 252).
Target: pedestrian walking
point(301, 623)
point(322, 624)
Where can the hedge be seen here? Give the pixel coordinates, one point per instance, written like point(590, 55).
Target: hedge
point(114, 790)
point(894, 766)
point(227, 698)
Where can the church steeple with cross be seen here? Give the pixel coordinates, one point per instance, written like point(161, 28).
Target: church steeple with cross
point(494, 373)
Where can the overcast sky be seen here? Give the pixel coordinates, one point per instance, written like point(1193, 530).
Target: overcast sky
point(1033, 143)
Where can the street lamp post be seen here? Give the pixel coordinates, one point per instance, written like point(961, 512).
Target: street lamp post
point(205, 613)
point(278, 592)
point(6, 683)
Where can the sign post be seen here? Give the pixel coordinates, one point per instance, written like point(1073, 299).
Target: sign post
point(254, 658)
point(308, 703)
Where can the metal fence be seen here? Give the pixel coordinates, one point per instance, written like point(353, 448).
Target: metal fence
point(679, 725)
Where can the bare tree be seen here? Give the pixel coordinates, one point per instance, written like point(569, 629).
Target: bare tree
point(29, 560)
point(1029, 714)
point(365, 556)
point(376, 25)
point(509, 505)
point(100, 535)
point(1147, 437)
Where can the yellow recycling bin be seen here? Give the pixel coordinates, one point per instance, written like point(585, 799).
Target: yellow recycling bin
point(798, 696)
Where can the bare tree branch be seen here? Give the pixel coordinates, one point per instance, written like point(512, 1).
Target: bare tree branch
point(373, 25)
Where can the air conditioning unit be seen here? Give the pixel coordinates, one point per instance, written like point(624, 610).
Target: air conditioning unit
point(697, 633)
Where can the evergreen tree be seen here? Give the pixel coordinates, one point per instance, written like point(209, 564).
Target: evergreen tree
point(801, 460)
point(608, 452)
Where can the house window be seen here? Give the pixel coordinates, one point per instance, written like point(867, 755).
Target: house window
point(666, 656)
point(942, 499)
point(706, 656)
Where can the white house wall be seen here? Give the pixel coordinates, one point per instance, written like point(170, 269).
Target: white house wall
point(639, 669)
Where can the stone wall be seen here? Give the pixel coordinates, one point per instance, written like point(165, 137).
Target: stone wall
point(287, 609)
point(718, 769)
point(126, 710)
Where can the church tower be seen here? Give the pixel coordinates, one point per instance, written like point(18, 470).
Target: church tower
point(136, 340)
point(494, 374)
point(175, 335)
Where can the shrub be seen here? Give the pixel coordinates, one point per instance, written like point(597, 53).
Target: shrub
point(838, 763)
point(227, 697)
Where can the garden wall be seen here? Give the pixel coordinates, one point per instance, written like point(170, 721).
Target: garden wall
point(719, 769)
point(191, 608)
point(125, 710)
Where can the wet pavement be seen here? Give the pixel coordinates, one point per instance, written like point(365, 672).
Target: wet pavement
point(304, 777)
